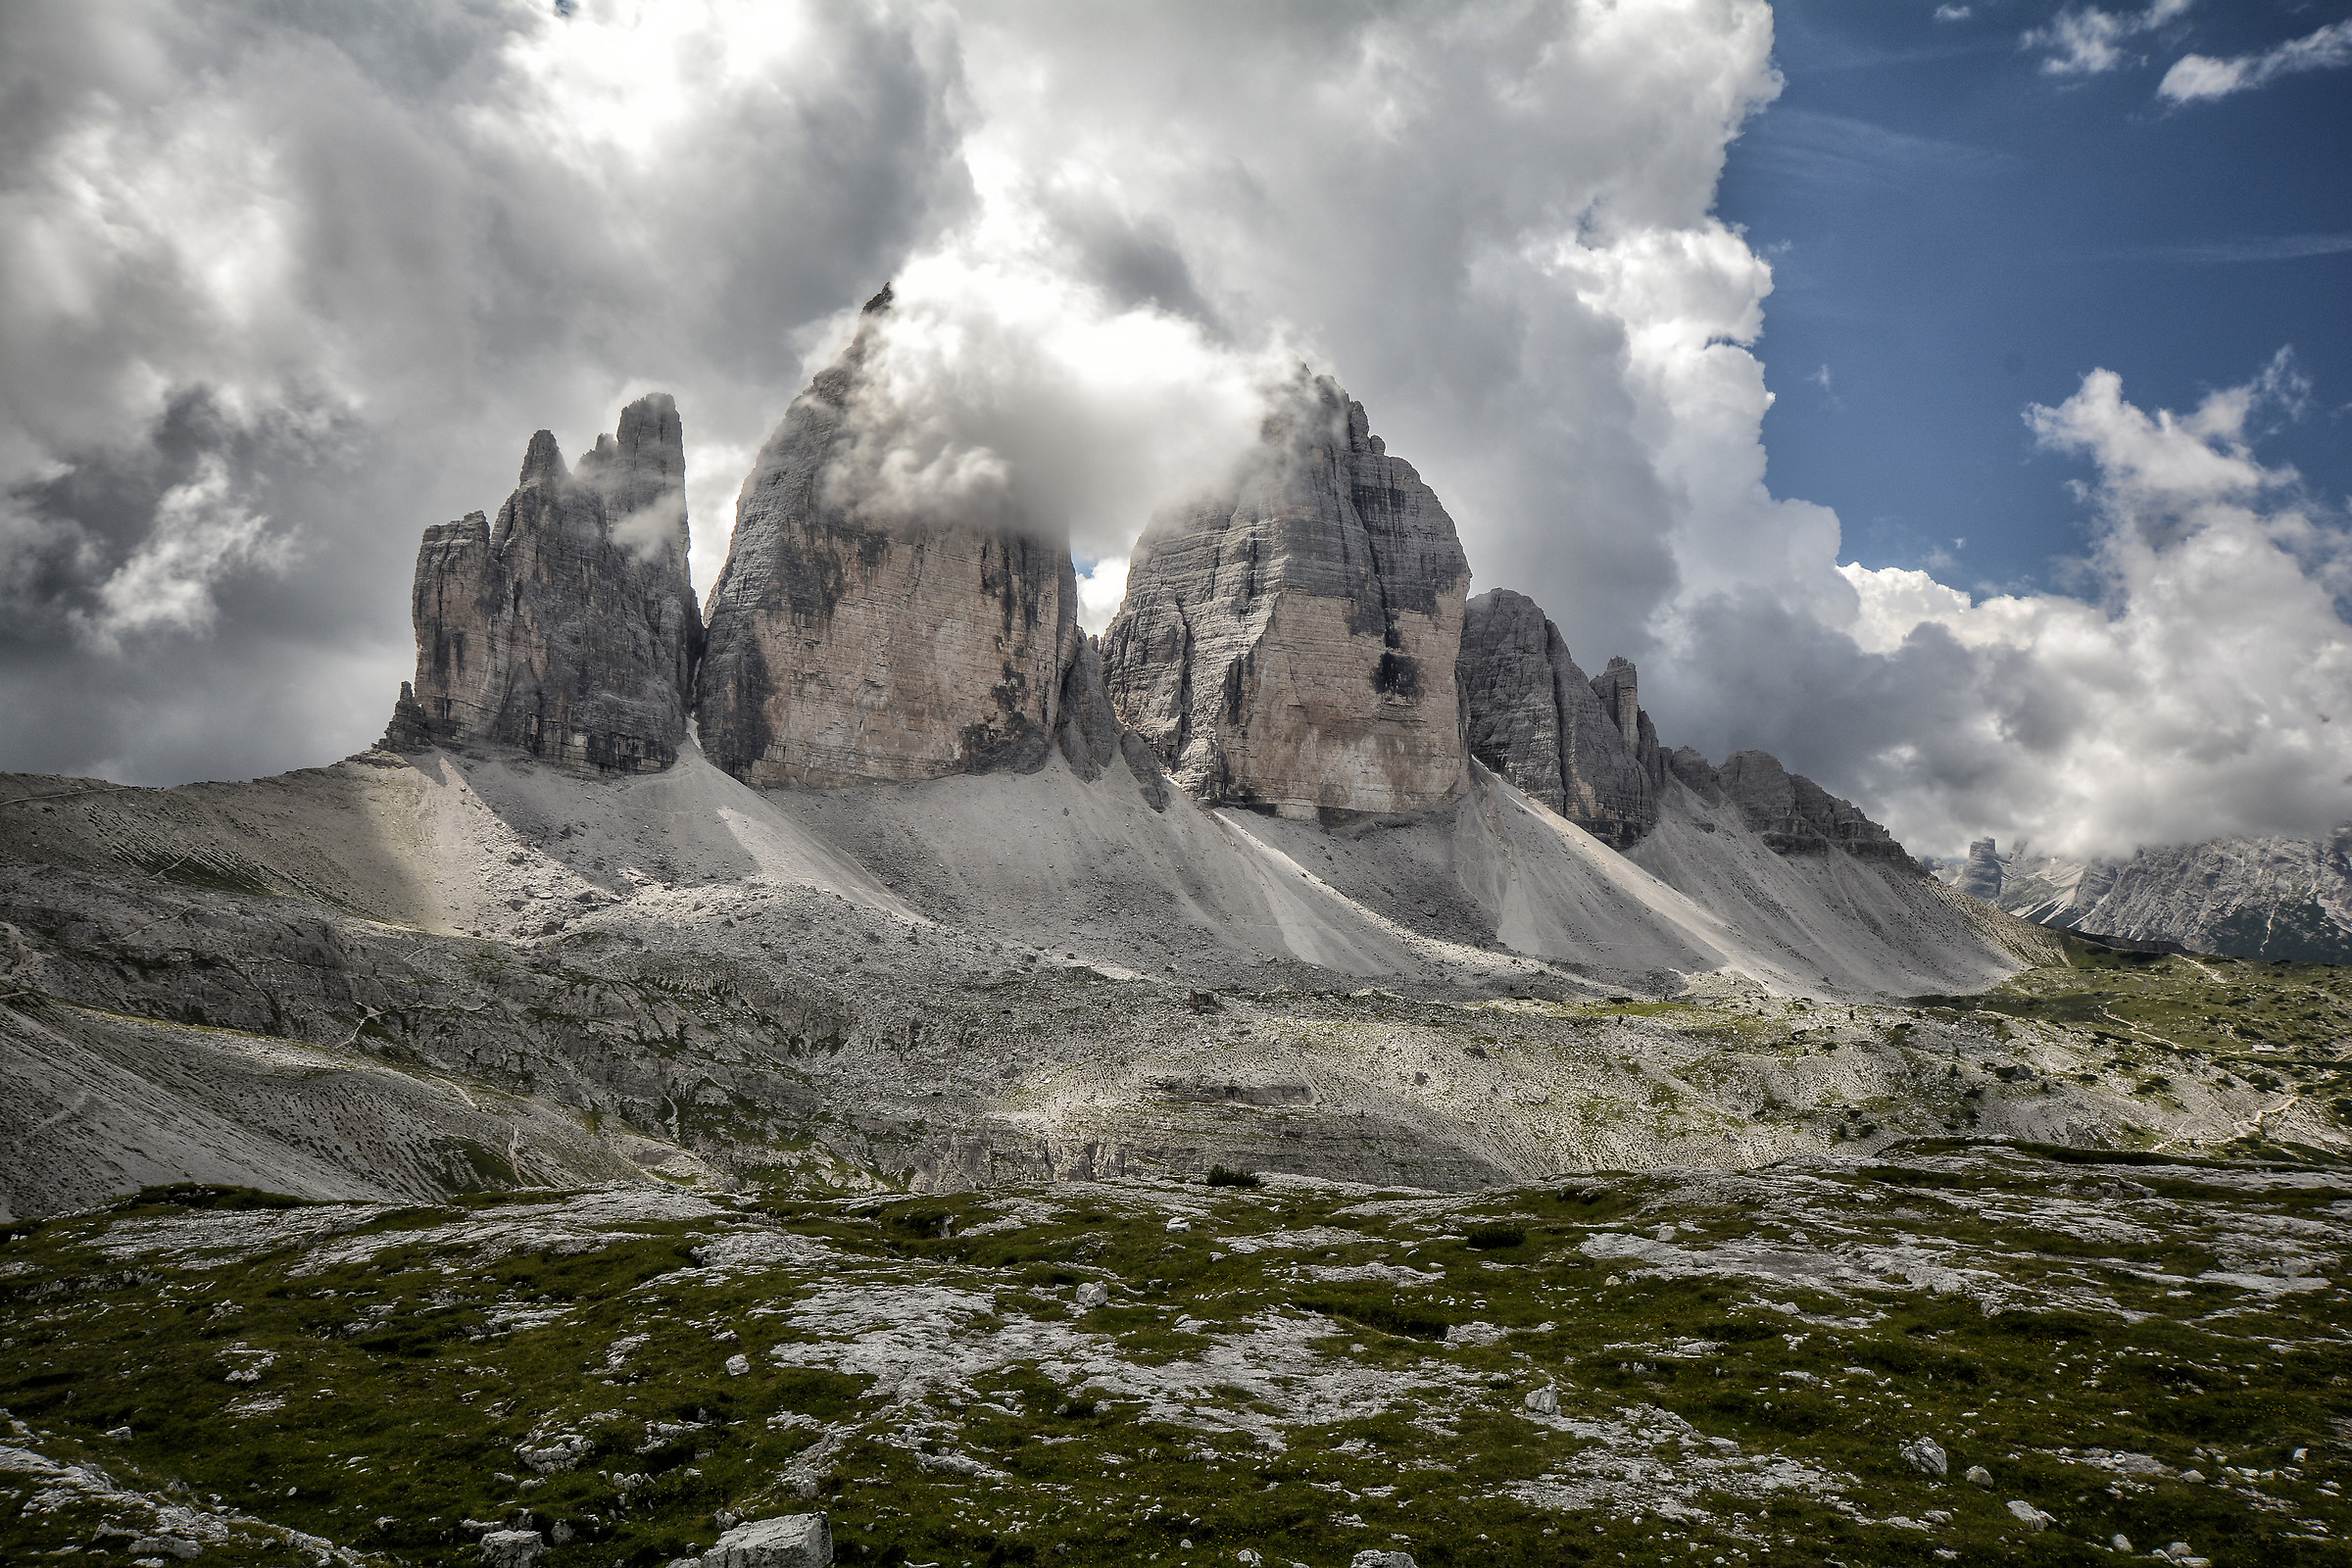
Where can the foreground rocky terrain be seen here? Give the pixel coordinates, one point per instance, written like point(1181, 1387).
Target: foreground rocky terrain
point(2270, 898)
point(1940, 1351)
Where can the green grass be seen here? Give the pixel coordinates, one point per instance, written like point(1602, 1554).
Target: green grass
point(404, 1401)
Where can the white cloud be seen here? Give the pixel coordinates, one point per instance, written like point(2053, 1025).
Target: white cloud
point(1953, 12)
point(201, 534)
point(2195, 77)
point(2181, 700)
point(2089, 41)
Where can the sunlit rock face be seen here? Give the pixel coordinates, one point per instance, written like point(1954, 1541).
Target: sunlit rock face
point(1581, 746)
point(569, 629)
point(1289, 641)
point(868, 627)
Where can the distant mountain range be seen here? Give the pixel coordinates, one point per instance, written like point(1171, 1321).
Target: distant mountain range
point(2259, 897)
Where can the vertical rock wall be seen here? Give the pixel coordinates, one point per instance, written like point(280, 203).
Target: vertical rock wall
point(1581, 746)
point(856, 640)
point(1289, 642)
point(569, 628)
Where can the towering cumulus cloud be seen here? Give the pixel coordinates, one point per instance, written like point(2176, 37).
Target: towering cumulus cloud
point(283, 286)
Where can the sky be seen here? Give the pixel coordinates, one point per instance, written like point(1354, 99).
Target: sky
point(1949, 398)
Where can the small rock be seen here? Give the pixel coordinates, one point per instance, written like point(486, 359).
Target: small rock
point(163, 1546)
point(1383, 1559)
point(788, 1541)
point(566, 1451)
point(560, 1532)
point(1925, 1456)
point(1093, 1293)
point(2192, 1476)
point(2120, 1542)
point(512, 1548)
point(738, 1365)
point(1475, 1334)
point(2026, 1514)
point(1544, 1401)
point(1180, 1223)
point(1979, 1475)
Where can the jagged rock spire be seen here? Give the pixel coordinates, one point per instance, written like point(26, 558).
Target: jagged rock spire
point(570, 629)
point(1289, 643)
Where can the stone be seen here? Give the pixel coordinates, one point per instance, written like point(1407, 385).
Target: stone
point(570, 629)
point(1382, 1559)
point(1289, 643)
point(2120, 1542)
point(784, 1540)
point(1926, 1455)
point(165, 1546)
point(1093, 1293)
point(1531, 714)
point(118, 1434)
point(1544, 1401)
point(867, 628)
point(1797, 816)
point(513, 1548)
point(738, 1365)
point(1977, 1474)
point(1980, 878)
point(564, 1454)
point(2026, 1514)
point(1179, 1223)
point(1476, 1333)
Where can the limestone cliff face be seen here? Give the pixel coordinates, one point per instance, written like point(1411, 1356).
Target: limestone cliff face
point(1797, 816)
point(1581, 746)
point(858, 638)
point(1981, 878)
point(569, 628)
point(1289, 642)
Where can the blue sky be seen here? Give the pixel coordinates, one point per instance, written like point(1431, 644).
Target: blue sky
point(1959, 229)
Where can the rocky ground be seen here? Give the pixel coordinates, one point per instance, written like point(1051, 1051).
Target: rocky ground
point(1940, 1350)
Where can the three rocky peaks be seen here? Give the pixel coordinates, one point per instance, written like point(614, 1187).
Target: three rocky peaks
point(1301, 641)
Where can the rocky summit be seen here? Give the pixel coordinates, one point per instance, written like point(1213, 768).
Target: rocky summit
point(1289, 642)
point(1581, 746)
point(569, 630)
point(866, 631)
point(2274, 898)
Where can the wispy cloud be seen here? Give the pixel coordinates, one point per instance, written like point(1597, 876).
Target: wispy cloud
point(1834, 149)
point(1953, 12)
point(2088, 41)
point(2195, 77)
point(2246, 248)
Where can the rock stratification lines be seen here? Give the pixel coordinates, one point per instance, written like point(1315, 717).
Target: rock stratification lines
point(1289, 642)
point(1581, 746)
point(570, 629)
point(869, 627)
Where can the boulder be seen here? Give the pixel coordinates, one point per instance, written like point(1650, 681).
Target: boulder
point(1977, 1476)
point(2025, 1514)
point(569, 629)
point(564, 1453)
point(787, 1541)
point(165, 1546)
point(738, 1365)
point(1093, 1293)
point(872, 627)
point(512, 1548)
point(1925, 1456)
point(1579, 745)
point(1544, 1401)
point(1288, 643)
point(1382, 1559)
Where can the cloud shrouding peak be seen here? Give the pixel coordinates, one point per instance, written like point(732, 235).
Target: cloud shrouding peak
point(2193, 78)
point(315, 291)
